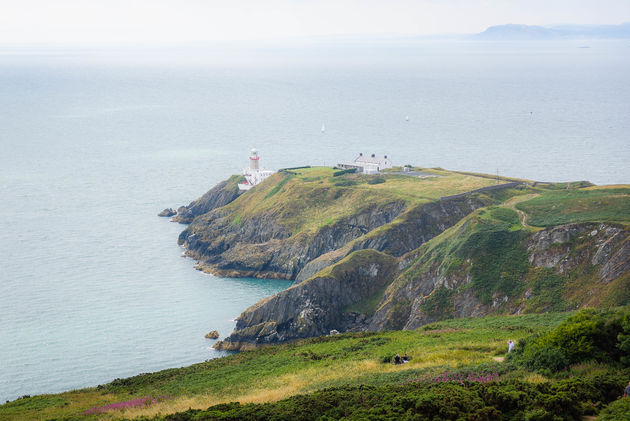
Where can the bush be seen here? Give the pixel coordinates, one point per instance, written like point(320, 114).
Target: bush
point(545, 358)
point(345, 183)
point(376, 180)
point(590, 335)
point(615, 411)
point(342, 172)
point(514, 400)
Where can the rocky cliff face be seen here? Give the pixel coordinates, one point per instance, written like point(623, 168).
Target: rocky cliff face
point(316, 306)
point(220, 195)
point(568, 251)
point(414, 227)
point(259, 246)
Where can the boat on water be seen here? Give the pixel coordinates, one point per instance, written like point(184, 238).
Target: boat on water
point(323, 127)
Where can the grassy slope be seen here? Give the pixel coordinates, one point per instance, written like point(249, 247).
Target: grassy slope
point(490, 243)
point(277, 372)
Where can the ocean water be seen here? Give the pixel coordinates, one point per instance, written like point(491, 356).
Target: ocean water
point(94, 143)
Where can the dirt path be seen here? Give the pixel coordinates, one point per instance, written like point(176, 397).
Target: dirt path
point(522, 216)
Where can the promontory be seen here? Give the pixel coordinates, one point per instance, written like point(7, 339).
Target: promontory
point(401, 249)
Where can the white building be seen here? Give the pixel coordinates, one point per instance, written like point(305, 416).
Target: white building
point(254, 174)
point(367, 164)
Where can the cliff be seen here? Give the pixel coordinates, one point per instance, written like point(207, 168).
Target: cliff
point(391, 254)
point(280, 226)
point(220, 195)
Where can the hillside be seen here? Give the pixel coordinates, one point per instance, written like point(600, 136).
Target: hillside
point(397, 252)
point(565, 366)
point(278, 372)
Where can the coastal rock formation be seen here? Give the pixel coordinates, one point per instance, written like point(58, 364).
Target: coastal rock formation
point(261, 247)
point(394, 255)
point(213, 334)
point(314, 307)
point(167, 212)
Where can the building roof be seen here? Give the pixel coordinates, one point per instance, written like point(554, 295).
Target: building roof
point(362, 159)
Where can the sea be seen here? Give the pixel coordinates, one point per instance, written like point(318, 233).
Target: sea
point(95, 141)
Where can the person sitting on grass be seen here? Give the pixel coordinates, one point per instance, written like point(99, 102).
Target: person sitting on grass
point(397, 359)
point(405, 358)
point(626, 393)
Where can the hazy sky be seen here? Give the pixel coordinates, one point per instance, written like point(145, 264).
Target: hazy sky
point(89, 21)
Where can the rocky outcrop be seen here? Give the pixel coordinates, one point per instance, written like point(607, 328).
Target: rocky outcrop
point(314, 307)
point(220, 195)
point(167, 212)
point(213, 334)
point(603, 245)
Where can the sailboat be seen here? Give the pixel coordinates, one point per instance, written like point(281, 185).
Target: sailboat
point(323, 127)
point(406, 118)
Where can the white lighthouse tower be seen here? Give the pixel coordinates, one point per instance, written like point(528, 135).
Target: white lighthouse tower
point(253, 174)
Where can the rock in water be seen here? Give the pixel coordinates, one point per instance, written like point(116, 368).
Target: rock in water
point(167, 212)
point(212, 335)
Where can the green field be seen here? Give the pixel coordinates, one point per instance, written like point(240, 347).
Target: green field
point(593, 204)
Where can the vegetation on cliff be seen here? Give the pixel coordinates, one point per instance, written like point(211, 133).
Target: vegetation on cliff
point(294, 217)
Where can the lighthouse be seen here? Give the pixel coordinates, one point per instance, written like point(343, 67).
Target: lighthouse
point(253, 160)
point(253, 174)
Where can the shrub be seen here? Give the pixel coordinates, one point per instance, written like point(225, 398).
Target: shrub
point(513, 400)
point(376, 180)
point(342, 172)
point(345, 183)
point(589, 335)
point(615, 411)
point(545, 358)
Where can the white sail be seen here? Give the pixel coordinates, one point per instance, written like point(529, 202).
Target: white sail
point(323, 127)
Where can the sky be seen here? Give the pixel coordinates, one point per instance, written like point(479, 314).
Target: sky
point(149, 21)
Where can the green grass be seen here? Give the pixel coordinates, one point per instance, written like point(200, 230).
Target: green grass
point(367, 306)
point(307, 199)
point(594, 204)
point(278, 372)
point(488, 242)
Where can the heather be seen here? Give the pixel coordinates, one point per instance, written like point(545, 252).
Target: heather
point(451, 400)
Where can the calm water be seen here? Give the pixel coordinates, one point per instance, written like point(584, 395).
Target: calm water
point(94, 144)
